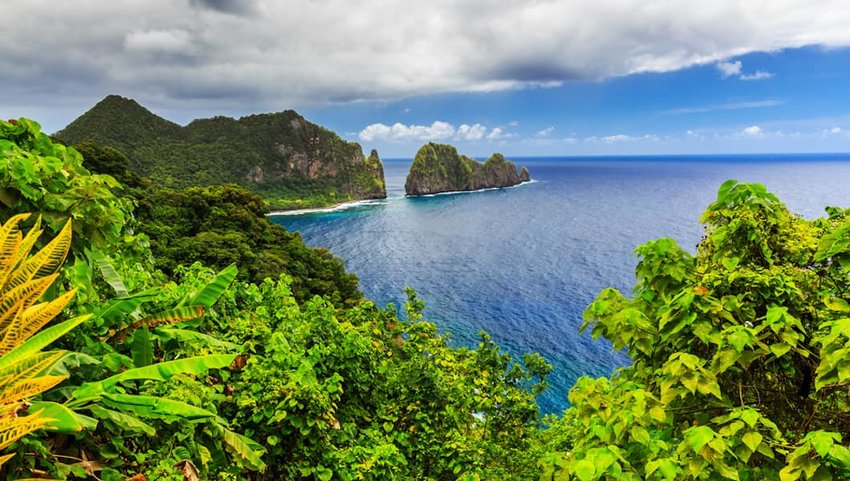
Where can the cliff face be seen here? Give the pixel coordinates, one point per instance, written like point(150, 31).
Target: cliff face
point(439, 168)
point(281, 156)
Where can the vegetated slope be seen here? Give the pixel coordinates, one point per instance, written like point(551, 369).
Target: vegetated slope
point(288, 160)
point(439, 168)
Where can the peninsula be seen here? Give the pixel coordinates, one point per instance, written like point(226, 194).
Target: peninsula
point(440, 168)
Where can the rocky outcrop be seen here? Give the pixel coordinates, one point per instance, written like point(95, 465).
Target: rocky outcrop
point(283, 157)
point(439, 168)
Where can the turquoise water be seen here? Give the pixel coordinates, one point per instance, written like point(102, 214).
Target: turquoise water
point(522, 263)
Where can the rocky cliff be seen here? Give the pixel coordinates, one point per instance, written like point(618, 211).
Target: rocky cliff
point(439, 168)
point(283, 157)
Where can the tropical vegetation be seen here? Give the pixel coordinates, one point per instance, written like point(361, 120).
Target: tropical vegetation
point(194, 354)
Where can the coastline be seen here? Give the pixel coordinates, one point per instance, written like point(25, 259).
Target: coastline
point(324, 210)
point(366, 202)
point(455, 192)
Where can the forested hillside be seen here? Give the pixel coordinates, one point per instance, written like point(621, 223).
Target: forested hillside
point(281, 156)
point(117, 363)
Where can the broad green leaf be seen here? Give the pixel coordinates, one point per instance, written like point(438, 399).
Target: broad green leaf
point(157, 407)
point(246, 450)
point(124, 421)
point(752, 439)
point(41, 340)
point(63, 420)
point(141, 347)
point(110, 275)
point(699, 436)
point(584, 470)
point(159, 372)
point(188, 335)
point(211, 292)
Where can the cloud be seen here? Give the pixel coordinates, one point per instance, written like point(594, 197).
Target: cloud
point(470, 132)
point(735, 69)
point(618, 138)
point(545, 132)
point(158, 40)
point(729, 69)
point(284, 55)
point(758, 75)
point(756, 104)
point(226, 6)
point(438, 130)
point(752, 131)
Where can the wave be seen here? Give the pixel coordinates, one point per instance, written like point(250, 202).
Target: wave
point(456, 192)
point(325, 210)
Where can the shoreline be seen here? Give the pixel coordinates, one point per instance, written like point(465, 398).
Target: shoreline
point(455, 192)
point(324, 210)
point(365, 202)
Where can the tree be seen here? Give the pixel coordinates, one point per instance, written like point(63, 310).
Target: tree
point(741, 354)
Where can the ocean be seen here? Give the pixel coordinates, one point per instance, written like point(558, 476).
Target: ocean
point(522, 263)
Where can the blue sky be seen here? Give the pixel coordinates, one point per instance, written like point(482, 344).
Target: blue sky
point(800, 102)
point(539, 77)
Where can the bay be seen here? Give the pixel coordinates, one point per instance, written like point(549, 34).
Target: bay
point(523, 263)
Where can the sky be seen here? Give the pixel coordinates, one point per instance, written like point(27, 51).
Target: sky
point(525, 78)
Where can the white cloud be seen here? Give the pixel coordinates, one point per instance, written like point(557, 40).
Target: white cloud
point(758, 75)
point(752, 131)
point(729, 69)
point(281, 54)
point(438, 130)
point(173, 41)
point(545, 132)
point(617, 138)
point(835, 130)
point(470, 132)
point(756, 104)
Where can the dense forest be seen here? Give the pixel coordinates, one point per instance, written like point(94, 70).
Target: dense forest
point(168, 334)
point(289, 161)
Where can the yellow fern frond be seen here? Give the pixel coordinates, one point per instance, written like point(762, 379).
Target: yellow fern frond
point(26, 368)
point(19, 299)
point(5, 458)
point(29, 241)
point(12, 429)
point(10, 241)
point(27, 363)
point(28, 387)
point(28, 322)
point(44, 262)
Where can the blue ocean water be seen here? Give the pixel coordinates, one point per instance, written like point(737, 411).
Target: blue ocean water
point(522, 263)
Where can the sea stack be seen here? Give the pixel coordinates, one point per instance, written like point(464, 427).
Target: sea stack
point(440, 168)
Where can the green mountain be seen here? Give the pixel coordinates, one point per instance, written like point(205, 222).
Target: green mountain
point(440, 168)
point(288, 160)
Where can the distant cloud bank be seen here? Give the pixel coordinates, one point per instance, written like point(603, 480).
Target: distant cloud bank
point(223, 53)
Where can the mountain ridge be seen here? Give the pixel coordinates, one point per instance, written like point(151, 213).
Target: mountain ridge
point(291, 162)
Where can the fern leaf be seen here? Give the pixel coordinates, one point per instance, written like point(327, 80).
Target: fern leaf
point(28, 387)
point(12, 429)
point(26, 368)
point(30, 321)
point(39, 341)
point(10, 241)
point(21, 298)
point(44, 262)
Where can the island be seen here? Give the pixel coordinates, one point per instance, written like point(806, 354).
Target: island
point(291, 162)
point(439, 168)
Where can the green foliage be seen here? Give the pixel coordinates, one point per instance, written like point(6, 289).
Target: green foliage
point(288, 160)
point(741, 354)
point(223, 225)
point(40, 176)
point(361, 394)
